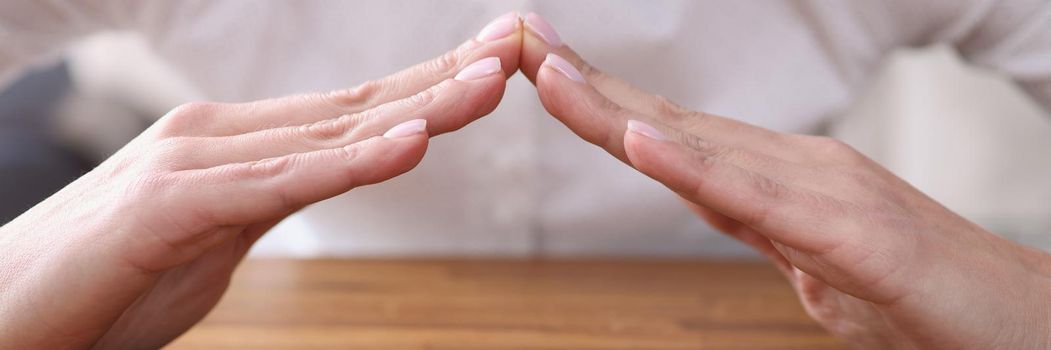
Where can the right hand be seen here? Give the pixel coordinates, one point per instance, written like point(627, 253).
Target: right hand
point(873, 260)
point(139, 249)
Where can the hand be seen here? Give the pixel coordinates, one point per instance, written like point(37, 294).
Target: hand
point(873, 260)
point(139, 249)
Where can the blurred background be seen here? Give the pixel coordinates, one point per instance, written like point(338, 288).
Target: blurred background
point(968, 137)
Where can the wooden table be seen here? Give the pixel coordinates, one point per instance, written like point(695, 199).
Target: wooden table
point(507, 304)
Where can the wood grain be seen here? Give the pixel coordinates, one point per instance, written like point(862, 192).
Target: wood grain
point(506, 304)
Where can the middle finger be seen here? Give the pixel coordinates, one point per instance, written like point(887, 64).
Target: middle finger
point(447, 106)
point(500, 38)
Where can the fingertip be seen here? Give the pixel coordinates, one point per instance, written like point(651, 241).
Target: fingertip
point(407, 129)
point(452, 104)
point(565, 96)
point(480, 69)
point(532, 55)
point(582, 109)
point(541, 29)
point(500, 27)
point(480, 98)
point(409, 153)
point(510, 64)
point(657, 158)
point(555, 81)
point(553, 92)
point(640, 141)
point(644, 129)
point(636, 149)
point(379, 158)
point(561, 65)
point(491, 97)
point(502, 38)
point(394, 147)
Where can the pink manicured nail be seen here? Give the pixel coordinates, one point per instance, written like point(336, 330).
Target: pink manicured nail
point(539, 26)
point(482, 68)
point(498, 28)
point(409, 128)
point(645, 130)
point(562, 66)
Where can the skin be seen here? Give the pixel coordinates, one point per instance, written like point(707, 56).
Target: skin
point(875, 261)
point(159, 227)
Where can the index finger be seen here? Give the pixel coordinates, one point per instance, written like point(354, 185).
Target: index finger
point(500, 38)
point(598, 108)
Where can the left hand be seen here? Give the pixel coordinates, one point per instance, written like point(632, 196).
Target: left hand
point(874, 260)
point(136, 251)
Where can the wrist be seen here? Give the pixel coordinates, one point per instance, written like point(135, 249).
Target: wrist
point(1038, 263)
point(1020, 293)
point(977, 290)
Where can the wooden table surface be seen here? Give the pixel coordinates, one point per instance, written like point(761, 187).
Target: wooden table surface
point(506, 304)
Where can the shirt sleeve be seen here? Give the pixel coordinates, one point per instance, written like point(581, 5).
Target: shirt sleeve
point(33, 32)
point(1013, 38)
point(1010, 37)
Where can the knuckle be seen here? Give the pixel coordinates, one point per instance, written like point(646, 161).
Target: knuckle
point(594, 75)
point(446, 64)
point(704, 160)
point(829, 144)
point(273, 167)
point(349, 153)
point(326, 130)
point(771, 195)
point(667, 107)
point(147, 187)
point(709, 157)
point(694, 122)
point(188, 117)
point(354, 98)
point(425, 97)
point(607, 108)
point(707, 153)
point(166, 153)
point(768, 188)
point(170, 145)
point(192, 109)
point(761, 216)
point(834, 149)
point(605, 138)
point(859, 179)
point(265, 167)
point(355, 126)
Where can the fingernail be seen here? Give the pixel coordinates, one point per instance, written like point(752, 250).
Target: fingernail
point(539, 26)
point(409, 128)
point(562, 66)
point(645, 130)
point(482, 68)
point(498, 28)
